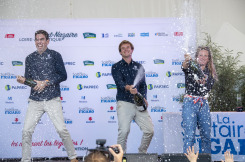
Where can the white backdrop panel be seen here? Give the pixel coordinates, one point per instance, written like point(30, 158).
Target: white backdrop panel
point(90, 113)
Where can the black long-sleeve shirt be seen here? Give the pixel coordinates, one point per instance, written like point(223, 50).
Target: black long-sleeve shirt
point(125, 74)
point(192, 87)
point(46, 66)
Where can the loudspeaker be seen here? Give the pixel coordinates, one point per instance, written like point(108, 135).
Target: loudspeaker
point(140, 157)
point(203, 157)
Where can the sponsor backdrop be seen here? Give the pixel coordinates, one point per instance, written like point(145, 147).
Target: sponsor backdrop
point(227, 133)
point(89, 49)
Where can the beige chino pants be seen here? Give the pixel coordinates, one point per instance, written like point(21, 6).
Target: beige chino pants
point(34, 112)
point(126, 112)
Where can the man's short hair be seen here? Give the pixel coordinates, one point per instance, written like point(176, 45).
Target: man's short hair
point(125, 42)
point(42, 32)
point(96, 156)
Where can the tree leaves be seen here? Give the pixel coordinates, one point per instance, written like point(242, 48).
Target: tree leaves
point(231, 78)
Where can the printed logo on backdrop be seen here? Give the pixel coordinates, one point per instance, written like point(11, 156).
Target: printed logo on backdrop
point(16, 121)
point(63, 110)
point(176, 98)
point(99, 74)
point(105, 35)
point(58, 36)
point(177, 62)
point(80, 86)
point(88, 63)
point(181, 85)
point(79, 75)
point(1, 63)
point(26, 39)
point(69, 63)
point(151, 74)
point(107, 63)
point(111, 86)
point(62, 100)
point(227, 135)
point(141, 62)
point(75, 143)
point(112, 109)
point(131, 34)
point(178, 33)
point(158, 86)
point(144, 34)
point(107, 99)
point(85, 110)
point(83, 100)
point(9, 36)
point(158, 61)
point(118, 35)
point(12, 111)
point(17, 63)
point(169, 74)
point(160, 120)
point(154, 98)
point(9, 100)
point(160, 34)
point(68, 121)
point(226, 127)
point(7, 76)
point(9, 87)
point(89, 35)
point(158, 109)
point(112, 120)
point(64, 88)
point(90, 120)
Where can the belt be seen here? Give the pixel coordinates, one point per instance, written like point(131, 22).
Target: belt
point(196, 98)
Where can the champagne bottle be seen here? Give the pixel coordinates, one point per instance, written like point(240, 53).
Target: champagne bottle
point(196, 69)
point(140, 102)
point(30, 83)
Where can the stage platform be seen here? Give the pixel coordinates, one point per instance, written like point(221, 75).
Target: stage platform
point(130, 158)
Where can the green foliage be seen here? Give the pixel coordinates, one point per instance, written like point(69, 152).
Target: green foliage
point(231, 78)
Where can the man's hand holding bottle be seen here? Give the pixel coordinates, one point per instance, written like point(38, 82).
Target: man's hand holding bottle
point(35, 84)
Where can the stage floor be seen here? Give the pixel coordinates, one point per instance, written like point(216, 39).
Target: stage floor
point(80, 159)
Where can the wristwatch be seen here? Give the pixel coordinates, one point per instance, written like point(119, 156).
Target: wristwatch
point(47, 82)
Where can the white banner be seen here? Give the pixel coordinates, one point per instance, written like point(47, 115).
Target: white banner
point(227, 134)
point(89, 48)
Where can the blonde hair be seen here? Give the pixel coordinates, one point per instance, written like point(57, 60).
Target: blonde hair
point(125, 42)
point(211, 66)
point(96, 156)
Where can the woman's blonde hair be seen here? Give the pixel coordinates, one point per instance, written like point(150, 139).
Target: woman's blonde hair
point(210, 63)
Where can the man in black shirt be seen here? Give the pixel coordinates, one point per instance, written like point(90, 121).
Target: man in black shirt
point(124, 73)
point(46, 68)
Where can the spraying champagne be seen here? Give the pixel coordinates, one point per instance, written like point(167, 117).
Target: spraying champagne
point(196, 69)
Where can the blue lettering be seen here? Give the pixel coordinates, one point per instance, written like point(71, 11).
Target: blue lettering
point(218, 148)
point(242, 146)
point(228, 120)
point(214, 130)
point(238, 129)
point(218, 120)
point(228, 129)
point(229, 145)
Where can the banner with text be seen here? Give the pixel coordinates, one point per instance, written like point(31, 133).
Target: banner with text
point(89, 48)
